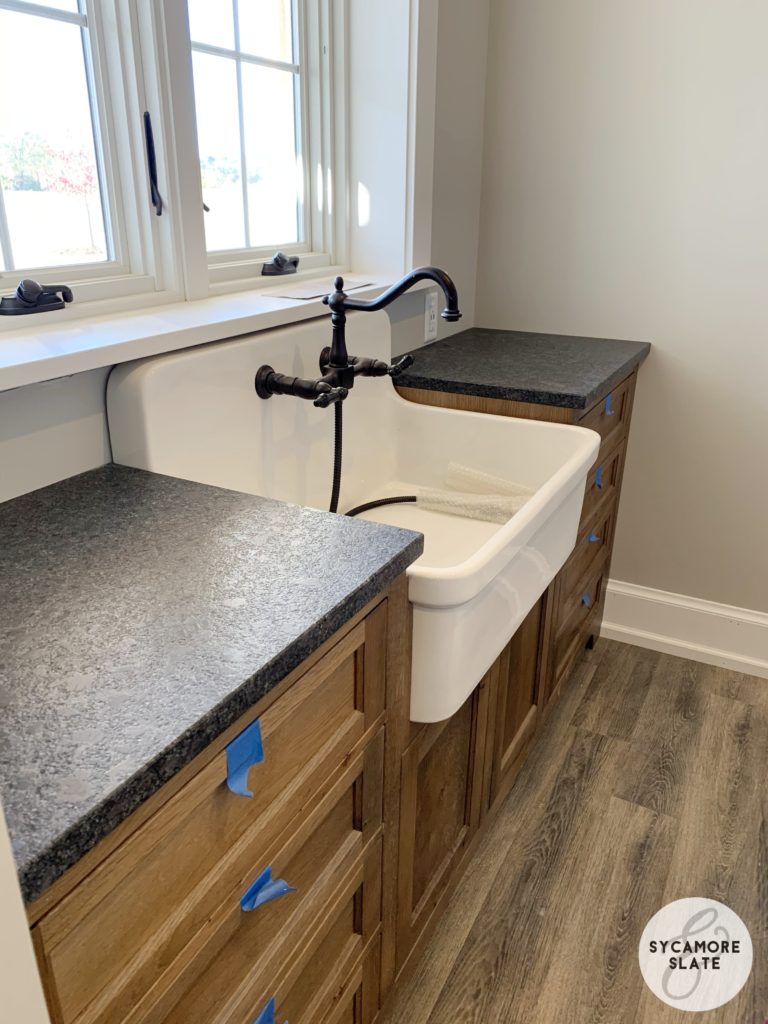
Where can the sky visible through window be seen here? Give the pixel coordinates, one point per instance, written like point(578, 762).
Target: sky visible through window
point(246, 123)
point(48, 170)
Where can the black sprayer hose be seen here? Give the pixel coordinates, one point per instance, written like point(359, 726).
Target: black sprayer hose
point(338, 432)
point(401, 499)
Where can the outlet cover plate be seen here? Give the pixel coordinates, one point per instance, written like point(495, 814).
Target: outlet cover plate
point(430, 316)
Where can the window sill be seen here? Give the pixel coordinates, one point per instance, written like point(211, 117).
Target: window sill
point(38, 353)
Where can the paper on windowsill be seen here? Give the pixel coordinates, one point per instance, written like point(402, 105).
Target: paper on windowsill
point(315, 289)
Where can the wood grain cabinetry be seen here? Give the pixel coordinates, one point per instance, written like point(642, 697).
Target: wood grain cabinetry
point(514, 704)
point(221, 907)
point(440, 808)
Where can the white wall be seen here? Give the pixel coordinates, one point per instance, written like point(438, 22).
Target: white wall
point(626, 195)
point(51, 431)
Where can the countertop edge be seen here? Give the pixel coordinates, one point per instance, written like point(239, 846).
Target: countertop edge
point(69, 847)
point(561, 399)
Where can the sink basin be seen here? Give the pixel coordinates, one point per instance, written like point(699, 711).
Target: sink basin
point(194, 414)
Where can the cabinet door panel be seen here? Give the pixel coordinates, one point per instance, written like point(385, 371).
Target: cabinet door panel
point(516, 704)
point(439, 812)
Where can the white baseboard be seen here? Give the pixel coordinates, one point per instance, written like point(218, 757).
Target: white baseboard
point(716, 634)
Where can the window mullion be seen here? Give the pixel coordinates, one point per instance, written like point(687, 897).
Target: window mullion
point(171, 99)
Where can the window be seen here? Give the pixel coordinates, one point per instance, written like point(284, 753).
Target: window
point(247, 135)
point(265, 104)
point(53, 195)
point(248, 106)
point(60, 183)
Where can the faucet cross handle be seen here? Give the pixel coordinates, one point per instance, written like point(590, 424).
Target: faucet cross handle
point(329, 396)
point(401, 365)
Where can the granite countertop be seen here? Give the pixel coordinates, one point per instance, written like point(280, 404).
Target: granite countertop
point(140, 616)
point(545, 369)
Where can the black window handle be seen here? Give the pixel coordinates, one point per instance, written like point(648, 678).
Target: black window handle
point(149, 138)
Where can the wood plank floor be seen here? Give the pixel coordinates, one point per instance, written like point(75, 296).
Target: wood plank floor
point(648, 783)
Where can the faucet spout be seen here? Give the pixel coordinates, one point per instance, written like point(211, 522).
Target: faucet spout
point(339, 303)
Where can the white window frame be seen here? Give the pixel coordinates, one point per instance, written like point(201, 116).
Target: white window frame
point(141, 55)
point(116, 90)
point(322, 58)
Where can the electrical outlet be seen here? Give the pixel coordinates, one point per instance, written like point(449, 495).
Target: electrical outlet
point(430, 316)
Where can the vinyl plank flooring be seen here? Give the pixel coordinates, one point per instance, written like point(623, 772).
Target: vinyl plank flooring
point(720, 851)
point(647, 783)
point(585, 969)
point(615, 697)
point(415, 1000)
point(506, 941)
point(664, 736)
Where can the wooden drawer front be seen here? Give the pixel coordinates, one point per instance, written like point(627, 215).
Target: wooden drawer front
point(576, 607)
point(610, 416)
point(358, 1001)
point(115, 936)
point(244, 951)
point(603, 482)
point(307, 986)
point(594, 541)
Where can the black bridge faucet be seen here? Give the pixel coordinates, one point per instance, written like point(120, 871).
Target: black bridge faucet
point(337, 367)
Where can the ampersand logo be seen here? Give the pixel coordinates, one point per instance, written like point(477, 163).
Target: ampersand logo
point(695, 954)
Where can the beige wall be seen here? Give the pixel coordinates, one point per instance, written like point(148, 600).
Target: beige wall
point(625, 194)
point(462, 44)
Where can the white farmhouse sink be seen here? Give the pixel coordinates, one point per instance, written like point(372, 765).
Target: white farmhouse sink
point(195, 414)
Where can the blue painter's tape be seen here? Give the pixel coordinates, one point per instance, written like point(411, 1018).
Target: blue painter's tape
point(609, 405)
point(599, 478)
point(267, 1015)
point(244, 751)
point(586, 600)
point(264, 890)
point(593, 537)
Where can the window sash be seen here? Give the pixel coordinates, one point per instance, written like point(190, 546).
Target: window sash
point(140, 53)
point(241, 255)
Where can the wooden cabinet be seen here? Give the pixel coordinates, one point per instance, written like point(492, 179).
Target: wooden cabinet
point(220, 904)
point(514, 700)
point(440, 807)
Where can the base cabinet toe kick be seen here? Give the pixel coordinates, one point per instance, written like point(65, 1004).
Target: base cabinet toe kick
point(302, 885)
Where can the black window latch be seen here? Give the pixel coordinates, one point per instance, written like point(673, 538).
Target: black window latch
point(33, 297)
point(280, 264)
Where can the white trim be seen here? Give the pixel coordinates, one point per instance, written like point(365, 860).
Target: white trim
point(46, 351)
point(716, 634)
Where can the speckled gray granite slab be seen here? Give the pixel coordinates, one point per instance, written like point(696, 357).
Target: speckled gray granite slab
point(547, 369)
point(140, 616)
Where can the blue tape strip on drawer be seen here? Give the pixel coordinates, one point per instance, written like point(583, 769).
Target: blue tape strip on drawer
point(243, 752)
point(264, 890)
point(609, 405)
point(599, 477)
point(267, 1015)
